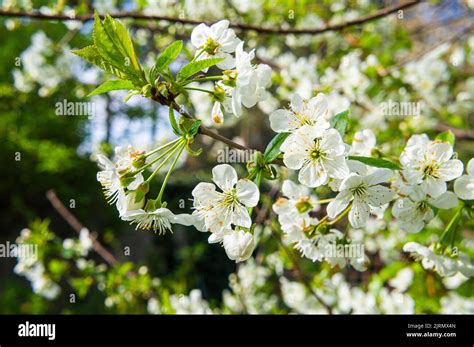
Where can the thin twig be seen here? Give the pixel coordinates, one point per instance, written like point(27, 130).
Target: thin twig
point(77, 226)
point(241, 26)
point(204, 130)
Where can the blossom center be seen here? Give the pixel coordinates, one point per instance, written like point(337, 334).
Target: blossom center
point(316, 152)
point(429, 170)
point(359, 191)
point(302, 119)
point(230, 198)
point(303, 205)
point(155, 222)
point(211, 47)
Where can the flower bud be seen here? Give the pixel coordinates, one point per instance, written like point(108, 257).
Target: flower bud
point(239, 245)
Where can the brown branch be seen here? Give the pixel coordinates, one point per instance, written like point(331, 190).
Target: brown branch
point(77, 226)
point(208, 132)
point(241, 26)
point(202, 129)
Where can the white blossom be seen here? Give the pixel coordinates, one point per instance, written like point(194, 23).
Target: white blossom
point(363, 143)
point(110, 174)
point(216, 41)
point(238, 245)
point(318, 154)
point(430, 260)
point(312, 112)
point(215, 210)
point(365, 192)
point(85, 241)
point(251, 80)
point(191, 304)
point(414, 211)
point(464, 185)
point(296, 207)
point(429, 164)
point(159, 220)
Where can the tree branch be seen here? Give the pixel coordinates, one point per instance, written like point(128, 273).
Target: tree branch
point(202, 129)
point(77, 226)
point(241, 26)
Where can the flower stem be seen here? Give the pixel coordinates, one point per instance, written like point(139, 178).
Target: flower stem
point(341, 215)
point(176, 145)
point(171, 152)
point(168, 174)
point(161, 147)
point(197, 55)
point(202, 79)
point(258, 180)
point(451, 227)
point(324, 201)
point(200, 90)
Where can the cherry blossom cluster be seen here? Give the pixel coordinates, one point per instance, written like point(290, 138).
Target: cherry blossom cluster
point(242, 82)
point(359, 181)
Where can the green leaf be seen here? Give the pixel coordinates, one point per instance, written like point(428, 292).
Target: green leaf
point(340, 121)
point(122, 40)
point(447, 136)
point(111, 85)
point(193, 130)
point(273, 148)
point(168, 55)
point(196, 66)
point(114, 45)
point(92, 55)
point(376, 162)
point(189, 126)
point(174, 124)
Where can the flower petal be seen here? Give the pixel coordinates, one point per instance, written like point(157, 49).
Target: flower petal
point(313, 175)
point(445, 201)
point(294, 157)
point(379, 176)
point(450, 170)
point(359, 213)
point(183, 219)
point(337, 167)
point(247, 192)
point(294, 191)
point(199, 35)
point(379, 195)
point(224, 176)
point(434, 187)
point(241, 217)
point(205, 195)
point(470, 167)
point(464, 187)
point(281, 121)
point(336, 206)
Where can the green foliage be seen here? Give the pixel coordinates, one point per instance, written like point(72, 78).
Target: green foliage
point(92, 55)
point(272, 151)
point(376, 162)
point(168, 55)
point(194, 67)
point(113, 51)
point(447, 136)
point(114, 45)
point(111, 85)
point(340, 121)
